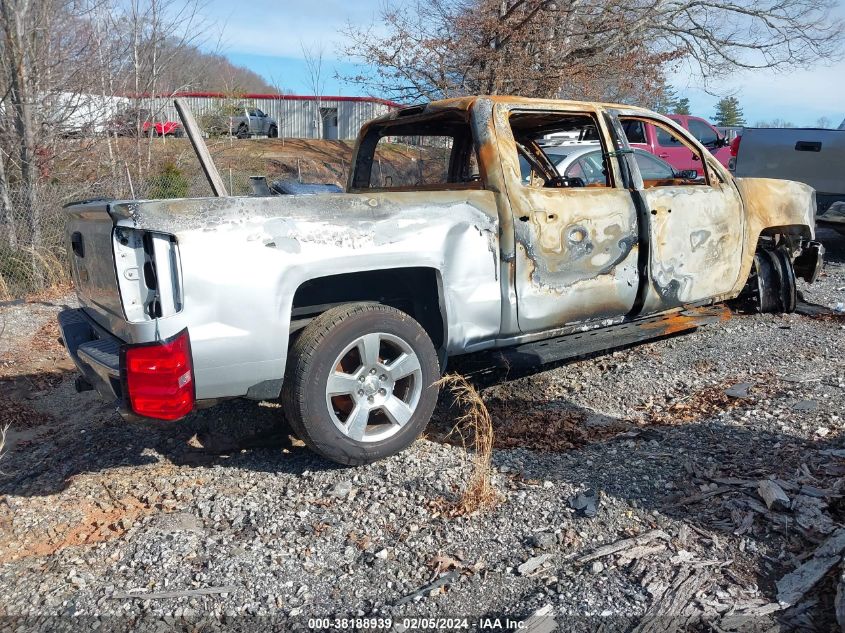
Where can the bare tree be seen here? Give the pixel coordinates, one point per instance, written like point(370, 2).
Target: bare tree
point(778, 123)
point(44, 57)
point(316, 78)
point(608, 48)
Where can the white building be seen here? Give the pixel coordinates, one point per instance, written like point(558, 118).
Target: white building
point(298, 116)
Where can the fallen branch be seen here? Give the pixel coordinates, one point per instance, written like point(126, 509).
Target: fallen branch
point(446, 579)
point(701, 497)
point(179, 593)
point(3, 432)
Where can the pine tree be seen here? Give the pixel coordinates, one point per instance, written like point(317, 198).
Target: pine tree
point(728, 113)
point(681, 106)
point(666, 100)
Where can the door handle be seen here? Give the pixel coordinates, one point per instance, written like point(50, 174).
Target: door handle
point(808, 146)
point(663, 155)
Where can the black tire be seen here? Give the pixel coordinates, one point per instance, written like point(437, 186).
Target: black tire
point(243, 131)
point(771, 285)
point(273, 132)
point(312, 359)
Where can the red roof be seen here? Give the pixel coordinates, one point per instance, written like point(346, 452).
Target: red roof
point(276, 97)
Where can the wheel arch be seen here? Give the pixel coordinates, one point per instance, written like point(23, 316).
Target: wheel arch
point(791, 232)
point(416, 290)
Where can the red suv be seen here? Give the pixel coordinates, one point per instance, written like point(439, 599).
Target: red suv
point(655, 140)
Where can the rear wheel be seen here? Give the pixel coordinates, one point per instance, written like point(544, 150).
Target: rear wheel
point(771, 285)
point(359, 384)
point(243, 131)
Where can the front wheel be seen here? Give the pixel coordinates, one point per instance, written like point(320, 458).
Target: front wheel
point(273, 132)
point(359, 384)
point(771, 284)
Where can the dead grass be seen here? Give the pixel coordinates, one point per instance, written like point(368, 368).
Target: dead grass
point(697, 405)
point(548, 430)
point(3, 432)
point(474, 427)
point(19, 415)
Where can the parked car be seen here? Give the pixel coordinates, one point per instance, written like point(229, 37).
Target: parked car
point(241, 121)
point(585, 161)
point(349, 306)
point(729, 133)
point(127, 123)
point(810, 155)
point(656, 141)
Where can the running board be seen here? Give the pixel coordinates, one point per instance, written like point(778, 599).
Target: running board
point(530, 356)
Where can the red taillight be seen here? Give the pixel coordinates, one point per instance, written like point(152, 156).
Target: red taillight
point(735, 145)
point(159, 378)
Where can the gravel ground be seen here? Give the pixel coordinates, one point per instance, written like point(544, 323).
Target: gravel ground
point(212, 519)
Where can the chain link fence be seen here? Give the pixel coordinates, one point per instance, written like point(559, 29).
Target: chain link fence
point(33, 252)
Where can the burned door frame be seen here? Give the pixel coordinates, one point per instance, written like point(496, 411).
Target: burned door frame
point(572, 264)
point(693, 235)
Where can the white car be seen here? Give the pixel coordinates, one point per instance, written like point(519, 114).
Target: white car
point(583, 164)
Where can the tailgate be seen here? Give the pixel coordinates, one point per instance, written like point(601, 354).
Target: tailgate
point(90, 237)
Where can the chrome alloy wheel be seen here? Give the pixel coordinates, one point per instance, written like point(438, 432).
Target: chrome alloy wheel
point(374, 387)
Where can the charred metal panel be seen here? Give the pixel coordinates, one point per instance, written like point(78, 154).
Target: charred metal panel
point(696, 242)
point(783, 206)
point(576, 250)
point(576, 256)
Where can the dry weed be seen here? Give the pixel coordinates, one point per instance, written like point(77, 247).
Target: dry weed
point(3, 432)
point(475, 427)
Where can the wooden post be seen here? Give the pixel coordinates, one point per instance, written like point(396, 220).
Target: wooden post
point(207, 164)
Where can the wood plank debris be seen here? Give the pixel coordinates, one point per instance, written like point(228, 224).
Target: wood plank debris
point(773, 495)
point(533, 564)
point(839, 600)
point(793, 586)
point(624, 544)
point(673, 608)
point(541, 621)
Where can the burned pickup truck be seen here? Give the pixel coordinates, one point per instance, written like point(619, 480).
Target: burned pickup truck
point(348, 306)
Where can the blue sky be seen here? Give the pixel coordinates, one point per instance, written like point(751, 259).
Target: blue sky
point(265, 36)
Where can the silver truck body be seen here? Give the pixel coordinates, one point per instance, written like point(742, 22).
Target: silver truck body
point(810, 155)
point(239, 318)
point(492, 263)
